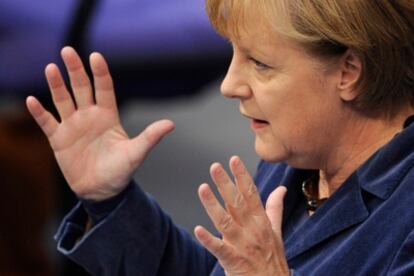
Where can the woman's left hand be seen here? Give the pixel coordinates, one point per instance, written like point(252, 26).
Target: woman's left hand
point(251, 242)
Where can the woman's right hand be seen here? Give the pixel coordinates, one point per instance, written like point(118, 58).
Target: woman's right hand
point(91, 147)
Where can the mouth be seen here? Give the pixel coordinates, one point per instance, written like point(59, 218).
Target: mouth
point(256, 123)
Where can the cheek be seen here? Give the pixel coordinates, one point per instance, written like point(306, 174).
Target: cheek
point(302, 112)
point(298, 114)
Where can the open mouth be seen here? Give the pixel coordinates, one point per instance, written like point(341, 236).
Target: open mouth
point(256, 123)
point(260, 121)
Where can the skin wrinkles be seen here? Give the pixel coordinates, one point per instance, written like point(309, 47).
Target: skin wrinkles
point(312, 123)
point(331, 179)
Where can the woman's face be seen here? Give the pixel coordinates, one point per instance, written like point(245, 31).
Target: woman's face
point(291, 100)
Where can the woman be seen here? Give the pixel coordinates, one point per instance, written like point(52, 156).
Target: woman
point(328, 87)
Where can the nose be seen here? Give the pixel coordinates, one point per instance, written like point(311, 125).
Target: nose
point(235, 84)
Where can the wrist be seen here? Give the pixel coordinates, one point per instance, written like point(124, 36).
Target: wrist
point(95, 193)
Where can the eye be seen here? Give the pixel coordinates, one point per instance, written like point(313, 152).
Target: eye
point(259, 65)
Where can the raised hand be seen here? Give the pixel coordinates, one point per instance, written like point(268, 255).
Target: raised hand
point(251, 242)
point(91, 147)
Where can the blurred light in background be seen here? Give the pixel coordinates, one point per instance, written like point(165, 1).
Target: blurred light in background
point(166, 61)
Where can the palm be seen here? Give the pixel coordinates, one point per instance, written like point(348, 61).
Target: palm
point(92, 149)
point(91, 152)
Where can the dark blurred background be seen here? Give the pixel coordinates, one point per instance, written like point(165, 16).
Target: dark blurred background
point(166, 61)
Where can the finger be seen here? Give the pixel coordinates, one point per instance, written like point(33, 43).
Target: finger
point(79, 80)
point(233, 200)
point(44, 119)
point(218, 215)
point(225, 186)
point(60, 95)
point(246, 186)
point(143, 143)
point(104, 89)
point(274, 208)
point(213, 244)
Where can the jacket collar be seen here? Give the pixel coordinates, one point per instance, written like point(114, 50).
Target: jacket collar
point(343, 209)
point(382, 173)
point(379, 175)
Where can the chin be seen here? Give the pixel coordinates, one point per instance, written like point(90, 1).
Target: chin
point(279, 154)
point(271, 153)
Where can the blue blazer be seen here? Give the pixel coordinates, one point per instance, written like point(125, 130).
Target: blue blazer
point(365, 228)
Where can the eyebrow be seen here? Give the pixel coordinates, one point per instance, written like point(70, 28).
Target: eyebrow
point(242, 48)
point(253, 50)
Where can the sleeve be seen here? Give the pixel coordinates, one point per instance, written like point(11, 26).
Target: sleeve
point(294, 273)
point(136, 238)
point(97, 211)
point(403, 263)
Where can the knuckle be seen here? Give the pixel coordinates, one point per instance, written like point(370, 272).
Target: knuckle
point(261, 237)
point(267, 235)
point(238, 201)
point(251, 191)
point(269, 256)
point(225, 223)
point(253, 248)
point(81, 83)
point(221, 250)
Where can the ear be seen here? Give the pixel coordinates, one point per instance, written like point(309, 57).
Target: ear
point(351, 68)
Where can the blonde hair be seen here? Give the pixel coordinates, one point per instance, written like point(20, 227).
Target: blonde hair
point(381, 33)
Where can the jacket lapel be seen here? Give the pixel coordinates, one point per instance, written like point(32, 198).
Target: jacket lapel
point(379, 176)
point(342, 210)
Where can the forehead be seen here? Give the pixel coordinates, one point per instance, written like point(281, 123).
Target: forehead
point(252, 25)
point(256, 35)
point(241, 18)
point(249, 20)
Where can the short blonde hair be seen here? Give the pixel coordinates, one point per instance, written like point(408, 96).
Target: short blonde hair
point(380, 32)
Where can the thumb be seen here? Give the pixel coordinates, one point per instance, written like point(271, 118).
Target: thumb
point(274, 208)
point(147, 139)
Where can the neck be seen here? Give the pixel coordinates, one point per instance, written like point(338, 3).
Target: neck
point(359, 142)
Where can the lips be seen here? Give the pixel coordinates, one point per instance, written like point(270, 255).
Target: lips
point(256, 123)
